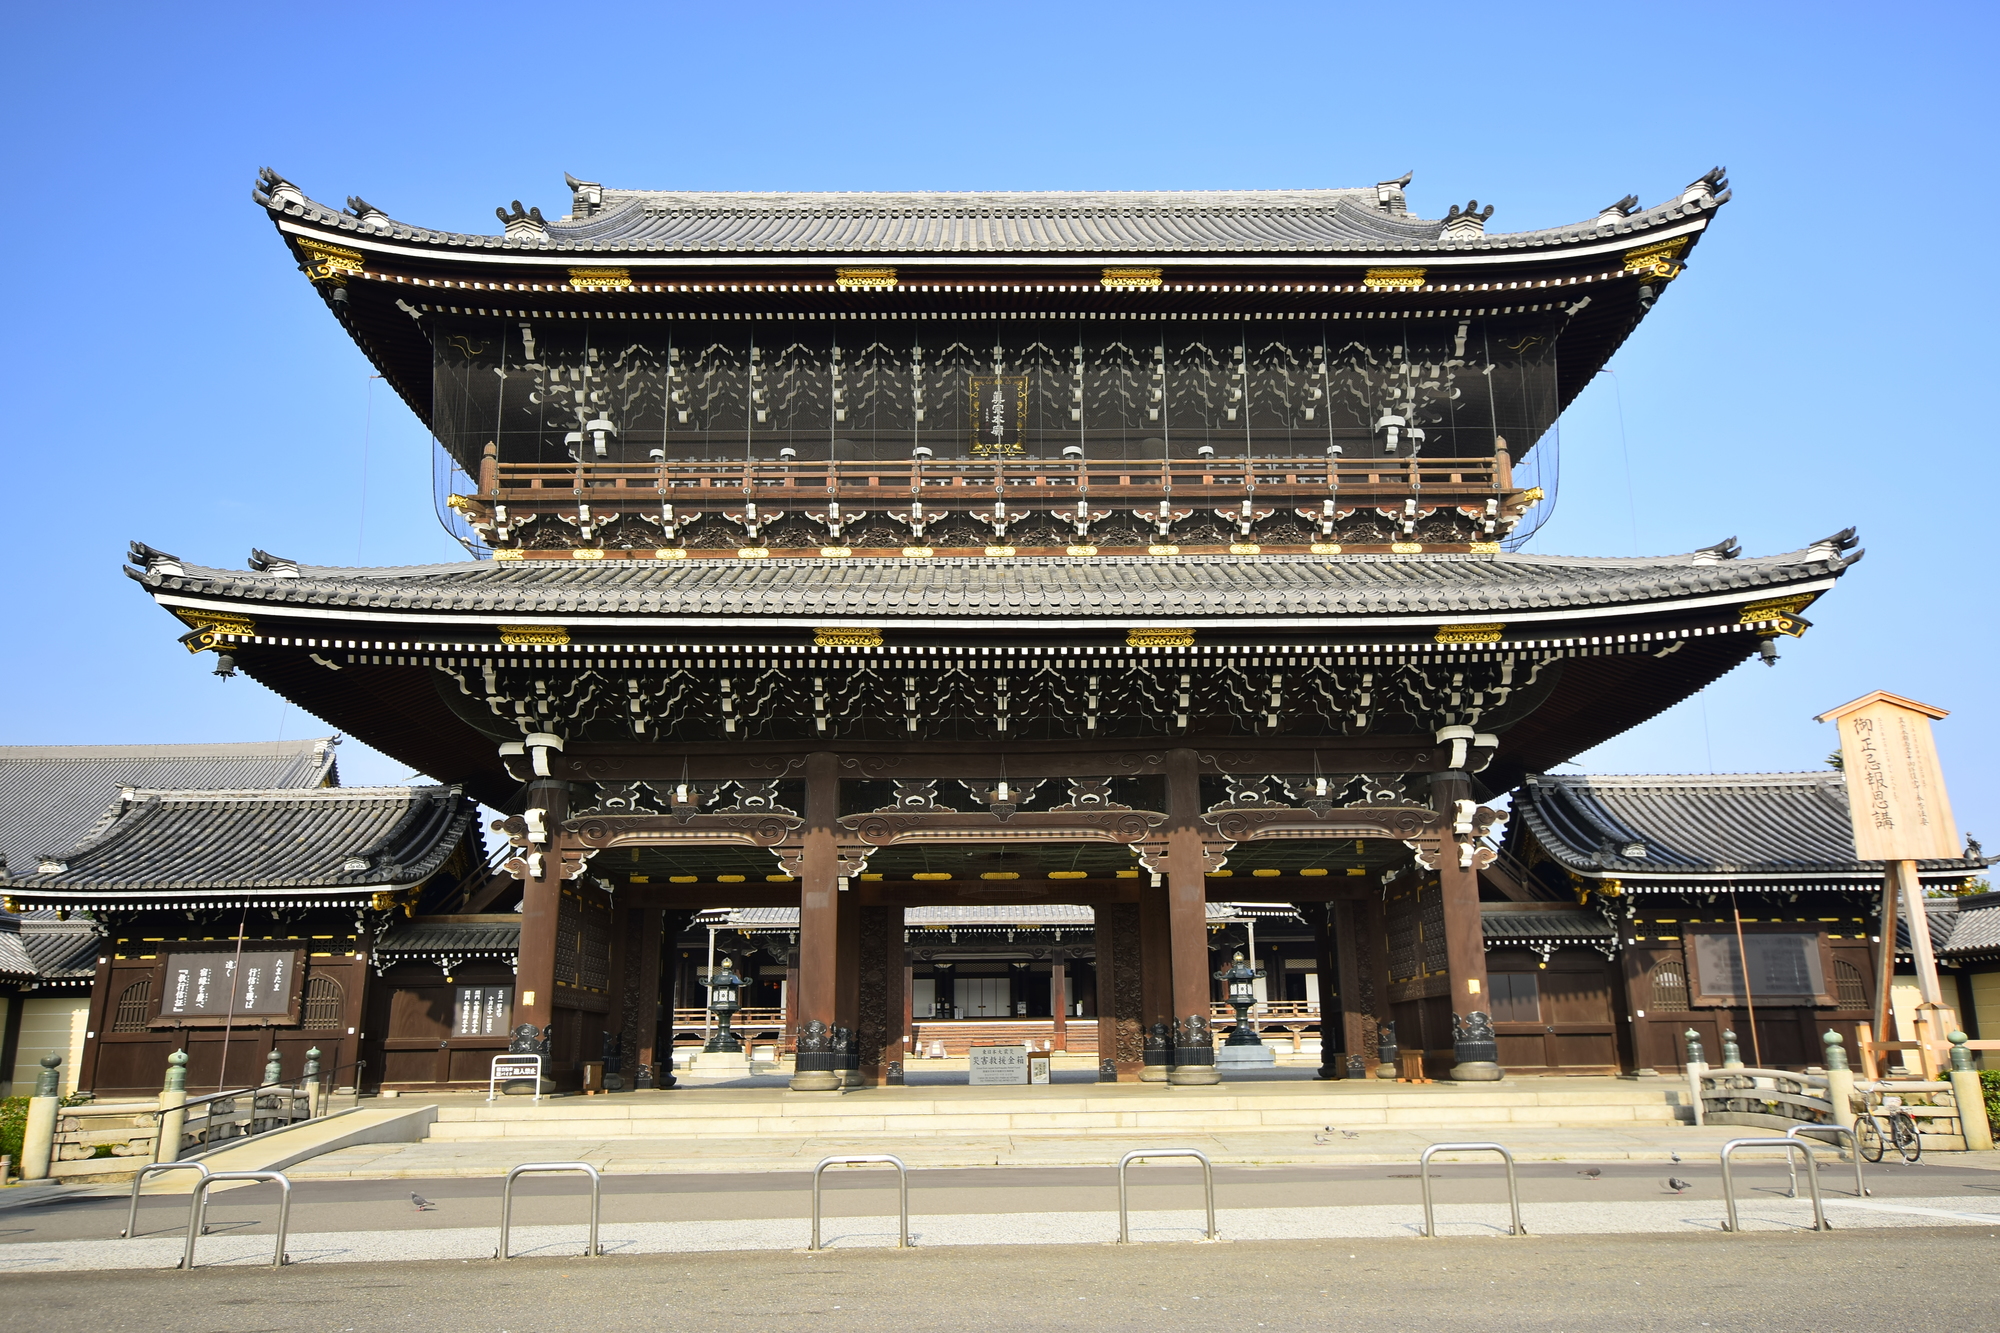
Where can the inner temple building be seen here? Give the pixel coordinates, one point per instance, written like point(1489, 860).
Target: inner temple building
point(991, 605)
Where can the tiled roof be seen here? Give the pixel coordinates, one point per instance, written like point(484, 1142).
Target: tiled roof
point(1503, 926)
point(1700, 824)
point(15, 964)
point(451, 937)
point(946, 916)
point(60, 950)
point(1193, 222)
point(1113, 591)
point(1972, 927)
point(330, 839)
point(52, 795)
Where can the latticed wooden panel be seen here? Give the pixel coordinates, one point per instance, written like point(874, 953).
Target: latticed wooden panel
point(135, 1007)
point(1670, 987)
point(325, 998)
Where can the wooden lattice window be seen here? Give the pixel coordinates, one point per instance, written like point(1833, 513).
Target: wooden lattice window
point(1850, 988)
point(324, 1002)
point(1670, 987)
point(135, 1007)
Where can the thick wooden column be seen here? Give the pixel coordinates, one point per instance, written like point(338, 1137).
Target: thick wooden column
point(1371, 944)
point(1155, 979)
point(1121, 1009)
point(1059, 1001)
point(1474, 1053)
point(1187, 925)
point(883, 1005)
point(821, 906)
point(541, 908)
point(645, 931)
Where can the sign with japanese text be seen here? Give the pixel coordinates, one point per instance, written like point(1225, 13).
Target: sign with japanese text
point(998, 1065)
point(1895, 788)
point(227, 987)
point(999, 414)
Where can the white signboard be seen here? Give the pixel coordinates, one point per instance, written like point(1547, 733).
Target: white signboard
point(511, 1068)
point(999, 1065)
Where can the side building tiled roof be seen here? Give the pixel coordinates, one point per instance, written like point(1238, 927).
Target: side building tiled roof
point(327, 846)
point(1012, 593)
point(52, 795)
point(1705, 829)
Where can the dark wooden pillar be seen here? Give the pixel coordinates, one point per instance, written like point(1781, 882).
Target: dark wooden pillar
point(1357, 1024)
point(1121, 1007)
point(1155, 978)
point(1474, 1056)
point(541, 910)
point(645, 931)
point(1371, 946)
point(821, 906)
point(1059, 1000)
point(1332, 995)
point(1187, 924)
point(882, 1002)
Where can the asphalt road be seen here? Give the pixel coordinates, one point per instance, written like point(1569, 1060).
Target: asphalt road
point(1881, 1281)
point(355, 1205)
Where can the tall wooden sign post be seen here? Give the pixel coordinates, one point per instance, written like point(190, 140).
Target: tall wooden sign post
point(1896, 798)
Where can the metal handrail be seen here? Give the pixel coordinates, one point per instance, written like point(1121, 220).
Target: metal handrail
point(1853, 1148)
point(132, 1219)
point(1790, 1145)
point(1513, 1186)
point(198, 1211)
point(902, 1187)
point(1140, 1154)
point(540, 1168)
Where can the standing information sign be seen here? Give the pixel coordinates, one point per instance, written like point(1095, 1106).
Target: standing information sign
point(509, 1068)
point(1038, 1068)
point(1002, 1065)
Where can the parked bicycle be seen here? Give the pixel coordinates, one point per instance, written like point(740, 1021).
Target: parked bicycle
point(1886, 1123)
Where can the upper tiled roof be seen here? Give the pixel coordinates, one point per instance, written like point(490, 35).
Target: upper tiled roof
point(1106, 223)
point(1699, 824)
point(1195, 590)
point(284, 843)
point(51, 795)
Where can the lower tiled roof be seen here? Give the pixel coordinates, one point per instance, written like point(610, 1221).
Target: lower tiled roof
point(1502, 925)
point(451, 937)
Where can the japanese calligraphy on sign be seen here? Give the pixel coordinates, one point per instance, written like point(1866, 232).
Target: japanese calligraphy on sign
point(220, 987)
point(999, 409)
point(1895, 788)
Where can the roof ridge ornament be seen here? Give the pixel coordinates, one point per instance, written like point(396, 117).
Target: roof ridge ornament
point(523, 223)
point(371, 217)
point(1471, 221)
point(1726, 549)
point(1389, 194)
point(586, 198)
point(278, 191)
point(1705, 189)
point(1624, 208)
point(277, 566)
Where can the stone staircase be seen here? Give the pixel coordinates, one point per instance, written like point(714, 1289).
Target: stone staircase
point(1110, 1111)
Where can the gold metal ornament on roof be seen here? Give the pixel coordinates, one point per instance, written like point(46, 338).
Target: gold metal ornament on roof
point(533, 634)
point(1772, 608)
point(1379, 278)
point(1470, 633)
point(221, 622)
point(600, 279)
point(1159, 638)
point(1660, 260)
point(847, 638)
point(1130, 277)
point(329, 262)
point(864, 277)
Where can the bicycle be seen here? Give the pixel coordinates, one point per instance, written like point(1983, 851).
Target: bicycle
point(1875, 1132)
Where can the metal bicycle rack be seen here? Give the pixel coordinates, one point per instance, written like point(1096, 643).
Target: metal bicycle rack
point(132, 1220)
point(1789, 1145)
point(198, 1210)
point(1853, 1146)
point(1513, 1186)
point(545, 1168)
point(902, 1190)
point(1207, 1181)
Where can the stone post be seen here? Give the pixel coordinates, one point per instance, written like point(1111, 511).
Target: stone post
point(1839, 1080)
point(274, 1067)
point(173, 1109)
point(38, 1143)
point(1971, 1098)
point(1732, 1054)
point(1697, 1065)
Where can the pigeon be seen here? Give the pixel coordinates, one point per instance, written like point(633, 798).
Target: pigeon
point(423, 1205)
point(1592, 1174)
point(1673, 1156)
point(1679, 1186)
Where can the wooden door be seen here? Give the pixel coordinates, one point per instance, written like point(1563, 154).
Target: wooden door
point(1578, 1016)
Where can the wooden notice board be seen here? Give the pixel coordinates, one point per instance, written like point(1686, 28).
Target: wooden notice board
point(1895, 788)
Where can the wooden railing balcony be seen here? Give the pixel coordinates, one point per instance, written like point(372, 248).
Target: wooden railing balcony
point(1032, 483)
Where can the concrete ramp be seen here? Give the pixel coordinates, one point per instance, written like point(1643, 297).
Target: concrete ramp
point(282, 1148)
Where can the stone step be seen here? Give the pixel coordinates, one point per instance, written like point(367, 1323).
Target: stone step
point(894, 1113)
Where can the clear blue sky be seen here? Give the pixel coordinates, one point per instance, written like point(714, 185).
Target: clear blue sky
point(176, 381)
